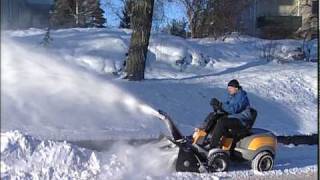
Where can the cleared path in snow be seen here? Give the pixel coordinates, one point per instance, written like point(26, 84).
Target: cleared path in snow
point(292, 162)
point(302, 176)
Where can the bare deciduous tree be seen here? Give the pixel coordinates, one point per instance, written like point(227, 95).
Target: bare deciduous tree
point(213, 17)
point(141, 22)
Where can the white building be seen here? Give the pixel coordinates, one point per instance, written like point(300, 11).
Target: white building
point(278, 15)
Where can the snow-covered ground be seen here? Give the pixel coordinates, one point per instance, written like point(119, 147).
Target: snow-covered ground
point(68, 92)
point(25, 157)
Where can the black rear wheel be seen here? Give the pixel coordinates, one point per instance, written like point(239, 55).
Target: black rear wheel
point(262, 162)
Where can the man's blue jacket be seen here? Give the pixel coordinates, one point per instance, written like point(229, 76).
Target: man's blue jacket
point(238, 106)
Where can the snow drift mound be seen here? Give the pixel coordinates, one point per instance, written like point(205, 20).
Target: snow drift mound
point(24, 157)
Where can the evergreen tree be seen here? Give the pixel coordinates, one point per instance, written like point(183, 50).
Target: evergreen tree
point(126, 15)
point(62, 16)
point(77, 13)
point(98, 19)
point(178, 28)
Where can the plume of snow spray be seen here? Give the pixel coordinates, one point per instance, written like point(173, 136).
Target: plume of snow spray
point(133, 104)
point(63, 99)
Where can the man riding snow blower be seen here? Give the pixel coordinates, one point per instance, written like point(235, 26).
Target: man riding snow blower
point(236, 115)
point(226, 134)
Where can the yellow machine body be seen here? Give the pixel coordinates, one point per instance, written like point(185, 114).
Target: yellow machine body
point(262, 141)
point(226, 143)
point(258, 140)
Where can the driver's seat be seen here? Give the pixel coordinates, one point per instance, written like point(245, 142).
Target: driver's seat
point(239, 134)
point(254, 115)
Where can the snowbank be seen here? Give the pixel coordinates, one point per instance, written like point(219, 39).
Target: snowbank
point(24, 157)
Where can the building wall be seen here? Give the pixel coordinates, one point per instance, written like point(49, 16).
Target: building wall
point(260, 8)
point(306, 13)
point(247, 20)
point(18, 14)
point(276, 7)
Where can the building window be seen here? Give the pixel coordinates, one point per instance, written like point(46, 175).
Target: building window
point(315, 7)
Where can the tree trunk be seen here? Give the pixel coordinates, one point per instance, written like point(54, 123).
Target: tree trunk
point(77, 13)
point(141, 22)
point(191, 17)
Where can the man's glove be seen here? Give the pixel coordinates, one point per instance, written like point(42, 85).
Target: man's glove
point(215, 103)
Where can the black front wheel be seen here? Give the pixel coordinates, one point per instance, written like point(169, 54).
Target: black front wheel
point(187, 161)
point(218, 162)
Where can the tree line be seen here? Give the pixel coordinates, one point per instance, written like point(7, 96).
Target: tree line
point(77, 13)
point(206, 18)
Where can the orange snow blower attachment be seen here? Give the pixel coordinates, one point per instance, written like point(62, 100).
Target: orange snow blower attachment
point(198, 136)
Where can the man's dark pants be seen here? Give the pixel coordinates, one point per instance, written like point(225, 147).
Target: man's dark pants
point(218, 126)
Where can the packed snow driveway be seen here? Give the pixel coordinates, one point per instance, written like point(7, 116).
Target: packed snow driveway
point(25, 157)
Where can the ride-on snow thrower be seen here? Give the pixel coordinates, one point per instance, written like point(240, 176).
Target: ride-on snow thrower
point(253, 144)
